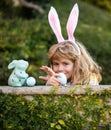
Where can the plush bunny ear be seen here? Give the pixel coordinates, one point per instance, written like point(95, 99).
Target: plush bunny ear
point(55, 24)
point(72, 23)
point(12, 64)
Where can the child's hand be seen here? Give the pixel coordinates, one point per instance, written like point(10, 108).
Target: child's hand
point(48, 70)
point(53, 81)
point(51, 77)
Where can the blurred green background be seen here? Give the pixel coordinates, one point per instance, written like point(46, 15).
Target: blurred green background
point(25, 33)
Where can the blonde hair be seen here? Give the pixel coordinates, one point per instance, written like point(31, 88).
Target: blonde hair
point(84, 65)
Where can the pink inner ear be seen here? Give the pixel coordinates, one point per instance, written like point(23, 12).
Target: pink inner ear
point(72, 23)
point(72, 26)
point(52, 18)
point(56, 28)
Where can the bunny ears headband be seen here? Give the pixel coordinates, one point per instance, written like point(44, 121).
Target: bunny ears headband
point(71, 25)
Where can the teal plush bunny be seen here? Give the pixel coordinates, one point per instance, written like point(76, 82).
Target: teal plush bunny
point(18, 77)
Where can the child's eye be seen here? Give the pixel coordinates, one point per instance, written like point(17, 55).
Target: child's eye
point(65, 63)
point(55, 64)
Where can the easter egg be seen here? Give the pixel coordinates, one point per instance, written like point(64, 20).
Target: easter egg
point(62, 78)
point(31, 81)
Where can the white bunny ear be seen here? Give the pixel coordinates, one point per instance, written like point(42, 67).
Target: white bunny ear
point(55, 24)
point(12, 64)
point(72, 22)
point(71, 25)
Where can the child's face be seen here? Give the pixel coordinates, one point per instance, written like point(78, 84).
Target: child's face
point(63, 65)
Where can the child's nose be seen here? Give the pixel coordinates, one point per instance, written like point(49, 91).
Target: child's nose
point(60, 68)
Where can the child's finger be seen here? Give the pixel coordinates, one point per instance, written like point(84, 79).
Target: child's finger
point(43, 77)
point(48, 70)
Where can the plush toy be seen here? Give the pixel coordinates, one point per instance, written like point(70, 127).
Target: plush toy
point(62, 78)
point(19, 76)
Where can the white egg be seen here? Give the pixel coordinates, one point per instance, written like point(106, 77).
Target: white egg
point(62, 78)
point(31, 81)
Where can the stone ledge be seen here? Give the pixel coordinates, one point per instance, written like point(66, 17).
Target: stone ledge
point(57, 90)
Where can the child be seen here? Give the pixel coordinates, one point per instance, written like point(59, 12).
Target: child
point(69, 56)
